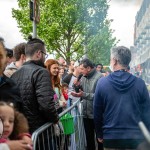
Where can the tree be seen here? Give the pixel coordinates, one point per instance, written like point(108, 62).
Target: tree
point(100, 44)
point(65, 25)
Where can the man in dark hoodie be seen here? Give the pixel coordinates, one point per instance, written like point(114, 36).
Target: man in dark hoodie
point(121, 101)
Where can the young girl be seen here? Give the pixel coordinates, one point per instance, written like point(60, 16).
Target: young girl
point(15, 125)
point(65, 90)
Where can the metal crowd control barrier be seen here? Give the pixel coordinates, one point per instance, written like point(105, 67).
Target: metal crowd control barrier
point(54, 137)
point(144, 131)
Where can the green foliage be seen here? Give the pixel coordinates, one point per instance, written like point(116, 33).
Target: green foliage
point(66, 25)
point(100, 44)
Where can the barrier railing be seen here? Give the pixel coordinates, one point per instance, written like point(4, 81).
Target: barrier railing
point(144, 131)
point(68, 134)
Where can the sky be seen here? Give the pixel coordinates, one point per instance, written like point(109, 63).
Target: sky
point(8, 25)
point(122, 12)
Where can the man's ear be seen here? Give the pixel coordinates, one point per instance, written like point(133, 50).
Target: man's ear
point(115, 61)
point(89, 69)
point(38, 54)
point(22, 56)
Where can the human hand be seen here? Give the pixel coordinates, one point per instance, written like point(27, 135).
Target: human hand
point(55, 97)
point(19, 145)
point(80, 94)
point(100, 140)
point(76, 82)
point(27, 139)
point(64, 104)
point(104, 74)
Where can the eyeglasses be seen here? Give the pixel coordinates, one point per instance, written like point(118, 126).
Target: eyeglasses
point(46, 55)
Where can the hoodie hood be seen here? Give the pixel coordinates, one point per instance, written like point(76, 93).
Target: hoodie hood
point(121, 80)
point(11, 66)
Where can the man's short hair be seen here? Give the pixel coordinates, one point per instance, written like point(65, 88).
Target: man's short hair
point(99, 65)
point(9, 52)
point(122, 55)
point(128, 68)
point(86, 63)
point(19, 50)
point(33, 45)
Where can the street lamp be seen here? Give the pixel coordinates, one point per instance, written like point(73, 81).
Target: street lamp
point(34, 15)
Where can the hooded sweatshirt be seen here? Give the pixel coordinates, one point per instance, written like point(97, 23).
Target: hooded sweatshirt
point(10, 69)
point(121, 101)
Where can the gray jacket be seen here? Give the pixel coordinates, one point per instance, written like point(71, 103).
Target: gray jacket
point(10, 69)
point(89, 84)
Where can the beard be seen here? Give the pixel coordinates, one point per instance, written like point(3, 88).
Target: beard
point(40, 62)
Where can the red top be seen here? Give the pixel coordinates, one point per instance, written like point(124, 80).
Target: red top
point(65, 96)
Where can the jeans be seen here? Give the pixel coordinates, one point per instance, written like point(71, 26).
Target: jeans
point(69, 102)
point(90, 135)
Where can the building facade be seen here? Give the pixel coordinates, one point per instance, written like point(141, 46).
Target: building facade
point(141, 50)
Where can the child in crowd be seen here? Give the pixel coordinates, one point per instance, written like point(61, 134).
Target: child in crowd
point(65, 90)
point(15, 125)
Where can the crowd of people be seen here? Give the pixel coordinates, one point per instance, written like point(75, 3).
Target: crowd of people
point(34, 90)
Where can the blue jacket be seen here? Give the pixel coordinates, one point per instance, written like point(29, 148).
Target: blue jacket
point(121, 101)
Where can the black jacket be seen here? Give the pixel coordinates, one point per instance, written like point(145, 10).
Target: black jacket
point(9, 92)
point(67, 78)
point(36, 93)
